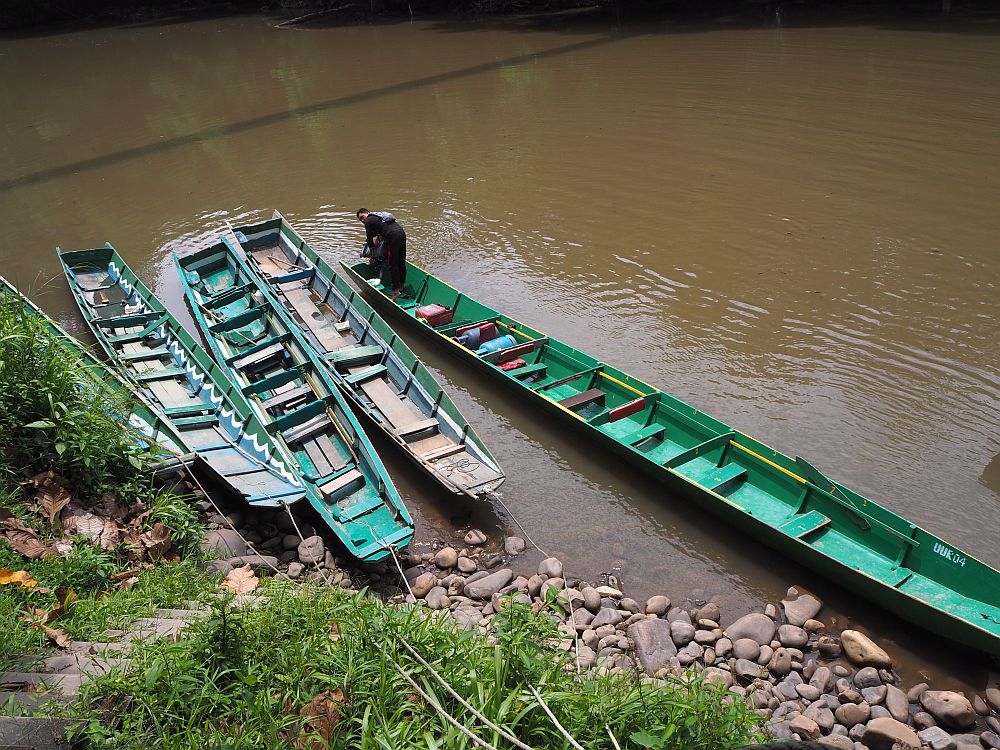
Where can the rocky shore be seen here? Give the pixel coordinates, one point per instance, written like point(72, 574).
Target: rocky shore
point(807, 681)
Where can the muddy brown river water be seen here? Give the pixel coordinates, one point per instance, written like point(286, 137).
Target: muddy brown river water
point(793, 229)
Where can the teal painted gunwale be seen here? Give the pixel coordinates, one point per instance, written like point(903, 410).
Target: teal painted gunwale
point(789, 505)
point(407, 361)
point(365, 537)
point(253, 443)
point(159, 436)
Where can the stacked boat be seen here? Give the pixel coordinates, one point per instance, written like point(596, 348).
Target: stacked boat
point(298, 355)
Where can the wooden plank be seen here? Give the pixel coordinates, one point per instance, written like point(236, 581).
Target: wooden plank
point(594, 395)
point(307, 429)
point(322, 466)
point(448, 450)
point(358, 355)
point(285, 398)
point(361, 375)
point(397, 412)
point(258, 358)
point(415, 427)
point(334, 454)
point(428, 444)
point(323, 329)
point(333, 486)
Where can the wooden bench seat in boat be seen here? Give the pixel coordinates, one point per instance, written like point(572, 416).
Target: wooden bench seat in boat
point(414, 427)
point(357, 378)
point(355, 355)
point(197, 421)
point(592, 396)
point(287, 398)
point(306, 429)
point(189, 410)
point(522, 372)
point(804, 524)
point(326, 457)
point(259, 358)
point(163, 373)
point(144, 354)
point(336, 485)
point(134, 336)
point(646, 433)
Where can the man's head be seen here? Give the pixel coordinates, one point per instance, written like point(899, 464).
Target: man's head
point(362, 214)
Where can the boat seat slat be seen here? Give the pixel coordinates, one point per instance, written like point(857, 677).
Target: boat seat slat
point(805, 524)
point(580, 400)
point(202, 420)
point(414, 427)
point(307, 429)
point(334, 453)
point(722, 476)
point(165, 373)
point(646, 433)
point(127, 321)
point(259, 358)
point(144, 354)
point(521, 373)
point(444, 452)
point(355, 355)
point(129, 338)
point(287, 398)
point(319, 461)
point(375, 371)
point(189, 410)
point(355, 510)
point(338, 483)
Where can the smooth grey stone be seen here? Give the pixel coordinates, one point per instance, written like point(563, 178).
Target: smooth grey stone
point(923, 720)
point(467, 565)
point(874, 695)
point(224, 543)
point(936, 738)
point(820, 678)
point(880, 712)
point(681, 615)
point(705, 637)
point(514, 545)
point(710, 612)
point(766, 652)
point(295, 569)
point(437, 598)
point(989, 739)
point(466, 616)
point(994, 724)
point(582, 619)
point(850, 714)
point(490, 561)
point(792, 636)
point(606, 617)
point(993, 698)
point(896, 703)
point(828, 646)
point(863, 651)
point(485, 588)
point(422, 584)
point(591, 599)
point(652, 644)
point(746, 648)
point(312, 550)
point(446, 557)
point(219, 566)
point(718, 676)
point(889, 734)
point(748, 670)
point(723, 647)
point(836, 741)
point(781, 662)
point(755, 626)
point(867, 677)
point(800, 606)
point(949, 708)
point(657, 605)
point(804, 727)
point(914, 693)
point(819, 713)
point(261, 564)
point(628, 604)
point(475, 537)
point(681, 632)
point(588, 657)
point(551, 567)
point(807, 691)
point(979, 706)
point(290, 541)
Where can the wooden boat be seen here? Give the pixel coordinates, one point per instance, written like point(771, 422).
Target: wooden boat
point(786, 502)
point(392, 388)
point(169, 368)
point(267, 359)
point(150, 429)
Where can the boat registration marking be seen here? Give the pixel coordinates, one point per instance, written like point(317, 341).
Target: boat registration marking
point(949, 554)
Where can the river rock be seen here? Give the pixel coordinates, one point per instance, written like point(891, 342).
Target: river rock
point(923, 720)
point(551, 567)
point(446, 557)
point(422, 584)
point(582, 619)
point(290, 541)
point(850, 714)
point(889, 734)
point(747, 671)
point(475, 537)
point(874, 695)
point(814, 626)
point(311, 550)
point(295, 570)
point(219, 566)
point(993, 698)
point(723, 647)
point(914, 693)
point(657, 605)
point(949, 708)
point(979, 706)
point(991, 740)
point(800, 606)
point(936, 738)
point(836, 741)
point(792, 636)
point(820, 678)
point(808, 692)
point(628, 604)
point(804, 727)
point(994, 724)
point(587, 657)
point(261, 564)
point(467, 565)
point(224, 543)
point(755, 626)
point(895, 701)
point(880, 712)
point(652, 644)
point(437, 598)
point(746, 648)
point(485, 588)
point(514, 545)
point(681, 632)
point(828, 647)
point(863, 651)
point(468, 617)
point(591, 599)
point(709, 612)
point(606, 616)
point(719, 676)
point(781, 662)
point(766, 652)
point(867, 677)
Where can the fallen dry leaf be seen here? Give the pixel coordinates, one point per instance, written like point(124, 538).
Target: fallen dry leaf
point(83, 523)
point(241, 580)
point(334, 631)
point(157, 541)
point(24, 540)
point(110, 536)
point(58, 636)
point(320, 717)
point(50, 503)
point(17, 578)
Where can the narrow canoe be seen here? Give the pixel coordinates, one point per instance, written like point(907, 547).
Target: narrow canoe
point(267, 359)
point(786, 502)
point(394, 391)
point(170, 369)
point(150, 429)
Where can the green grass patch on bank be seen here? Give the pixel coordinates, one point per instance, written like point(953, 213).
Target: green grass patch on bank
point(249, 678)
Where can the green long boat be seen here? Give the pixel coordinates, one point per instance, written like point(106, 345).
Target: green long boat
point(169, 368)
point(394, 391)
point(150, 429)
point(266, 358)
point(785, 502)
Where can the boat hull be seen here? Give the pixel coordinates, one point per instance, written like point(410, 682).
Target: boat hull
point(784, 502)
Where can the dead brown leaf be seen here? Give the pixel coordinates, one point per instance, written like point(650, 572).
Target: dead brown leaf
point(82, 523)
point(51, 502)
point(24, 540)
point(241, 580)
point(110, 536)
point(320, 718)
point(58, 636)
point(157, 541)
point(334, 631)
point(17, 578)
point(124, 575)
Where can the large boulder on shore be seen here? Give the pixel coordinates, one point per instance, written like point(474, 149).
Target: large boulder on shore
point(224, 543)
point(863, 651)
point(889, 734)
point(484, 588)
point(800, 606)
point(653, 646)
point(949, 708)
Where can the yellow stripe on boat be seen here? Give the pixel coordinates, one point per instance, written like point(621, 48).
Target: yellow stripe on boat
point(623, 385)
point(793, 475)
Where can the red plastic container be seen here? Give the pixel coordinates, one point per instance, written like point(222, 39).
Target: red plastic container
point(435, 315)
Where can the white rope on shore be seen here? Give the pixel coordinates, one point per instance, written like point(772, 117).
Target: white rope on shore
point(560, 727)
point(613, 740)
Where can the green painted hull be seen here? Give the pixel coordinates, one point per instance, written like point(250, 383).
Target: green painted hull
point(397, 395)
point(265, 357)
point(150, 428)
point(169, 368)
point(785, 502)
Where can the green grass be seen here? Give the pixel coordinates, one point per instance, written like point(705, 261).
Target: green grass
point(242, 677)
